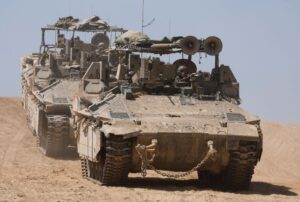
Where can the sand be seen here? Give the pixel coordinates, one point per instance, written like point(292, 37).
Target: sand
point(27, 175)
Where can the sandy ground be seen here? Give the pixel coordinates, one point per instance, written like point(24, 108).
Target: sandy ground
point(27, 175)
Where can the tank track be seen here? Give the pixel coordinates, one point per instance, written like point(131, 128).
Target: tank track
point(54, 141)
point(83, 163)
point(237, 175)
point(113, 167)
point(117, 161)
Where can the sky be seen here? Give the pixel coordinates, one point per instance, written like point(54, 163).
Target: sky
point(261, 40)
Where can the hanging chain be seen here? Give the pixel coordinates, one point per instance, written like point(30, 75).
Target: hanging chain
point(144, 151)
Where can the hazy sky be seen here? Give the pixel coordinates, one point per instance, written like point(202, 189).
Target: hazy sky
point(261, 40)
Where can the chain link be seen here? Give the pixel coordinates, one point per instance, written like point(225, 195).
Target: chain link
point(146, 163)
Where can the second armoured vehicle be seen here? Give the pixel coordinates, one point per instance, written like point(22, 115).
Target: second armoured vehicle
point(51, 78)
point(136, 112)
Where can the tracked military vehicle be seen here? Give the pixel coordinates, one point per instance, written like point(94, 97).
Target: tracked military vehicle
point(172, 118)
point(51, 78)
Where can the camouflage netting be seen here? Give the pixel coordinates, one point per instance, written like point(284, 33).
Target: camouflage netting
point(132, 37)
point(92, 23)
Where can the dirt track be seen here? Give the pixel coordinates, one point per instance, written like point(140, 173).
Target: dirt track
point(26, 175)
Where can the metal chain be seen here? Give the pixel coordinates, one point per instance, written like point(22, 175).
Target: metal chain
point(141, 149)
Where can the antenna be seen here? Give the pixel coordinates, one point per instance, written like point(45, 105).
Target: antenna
point(143, 7)
point(169, 34)
point(143, 13)
point(149, 23)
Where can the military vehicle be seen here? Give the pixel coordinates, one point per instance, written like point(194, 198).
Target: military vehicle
point(136, 112)
point(51, 78)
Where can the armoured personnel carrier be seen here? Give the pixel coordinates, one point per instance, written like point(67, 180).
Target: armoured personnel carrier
point(51, 78)
point(137, 112)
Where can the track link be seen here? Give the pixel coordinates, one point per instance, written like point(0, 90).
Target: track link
point(117, 162)
point(237, 175)
point(239, 172)
point(54, 141)
point(84, 171)
point(113, 167)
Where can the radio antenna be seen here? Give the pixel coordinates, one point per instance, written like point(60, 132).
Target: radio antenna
point(169, 34)
point(143, 7)
point(143, 14)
